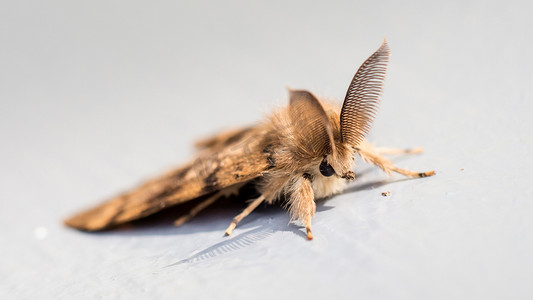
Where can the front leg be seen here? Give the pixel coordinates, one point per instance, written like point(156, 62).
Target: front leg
point(301, 203)
point(374, 156)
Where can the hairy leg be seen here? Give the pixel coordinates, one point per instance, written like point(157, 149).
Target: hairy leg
point(301, 203)
point(374, 156)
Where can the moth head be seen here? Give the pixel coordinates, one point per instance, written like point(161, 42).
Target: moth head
point(338, 164)
point(312, 130)
point(313, 136)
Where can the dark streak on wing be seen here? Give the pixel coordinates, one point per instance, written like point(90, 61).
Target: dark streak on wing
point(270, 156)
point(211, 181)
point(212, 171)
point(236, 137)
point(179, 174)
point(155, 202)
point(119, 209)
point(224, 139)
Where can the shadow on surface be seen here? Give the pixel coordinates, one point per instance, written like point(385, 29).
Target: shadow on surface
point(263, 223)
point(277, 223)
point(238, 242)
point(373, 185)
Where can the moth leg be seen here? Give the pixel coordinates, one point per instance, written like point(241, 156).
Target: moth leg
point(308, 227)
point(301, 203)
point(371, 155)
point(198, 208)
point(232, 190)
point(253, 205)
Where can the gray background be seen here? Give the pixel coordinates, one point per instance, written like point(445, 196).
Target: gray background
point(97, 96)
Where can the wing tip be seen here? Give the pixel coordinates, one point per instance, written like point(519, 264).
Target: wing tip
point(78, 224)
point(85, 221)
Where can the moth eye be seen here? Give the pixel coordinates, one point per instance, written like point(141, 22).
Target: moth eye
point(326, 169)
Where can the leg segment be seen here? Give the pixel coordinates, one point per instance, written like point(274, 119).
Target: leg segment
point(308, 227)
point(198, 208)
point(375, 157)
point(253, 205)
point(302, 205)
point(233, 190)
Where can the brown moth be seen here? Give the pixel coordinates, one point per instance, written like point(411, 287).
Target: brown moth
point(298, 154)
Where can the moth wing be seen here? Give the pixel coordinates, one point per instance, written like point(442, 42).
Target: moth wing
point(240, 161)
point(222, 139)
point(309, 125)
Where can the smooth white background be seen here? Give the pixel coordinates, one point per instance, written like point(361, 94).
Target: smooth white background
point(97, 96)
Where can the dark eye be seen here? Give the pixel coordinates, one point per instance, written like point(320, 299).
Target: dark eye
point(326, 169)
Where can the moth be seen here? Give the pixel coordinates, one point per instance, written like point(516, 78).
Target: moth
point(297, 154)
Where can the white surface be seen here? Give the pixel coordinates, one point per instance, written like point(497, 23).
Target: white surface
point(97, 96)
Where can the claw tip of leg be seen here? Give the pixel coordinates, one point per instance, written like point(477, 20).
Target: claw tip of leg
point(426, 174)
point(309, 234)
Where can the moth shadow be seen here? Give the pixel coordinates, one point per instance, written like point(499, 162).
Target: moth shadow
point(373, 185)
point(217, 217)
point(239, 241)
point(264, 231)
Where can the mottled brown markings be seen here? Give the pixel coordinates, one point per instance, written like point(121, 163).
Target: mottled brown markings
point(268, 150)
point(158, 200)
point(179, 174)
point(119, 210)
point(211, 181)
point(236, 137)
point(149, 210)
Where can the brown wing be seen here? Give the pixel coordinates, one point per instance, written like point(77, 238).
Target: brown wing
point(238, 162)
point(223, 139)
